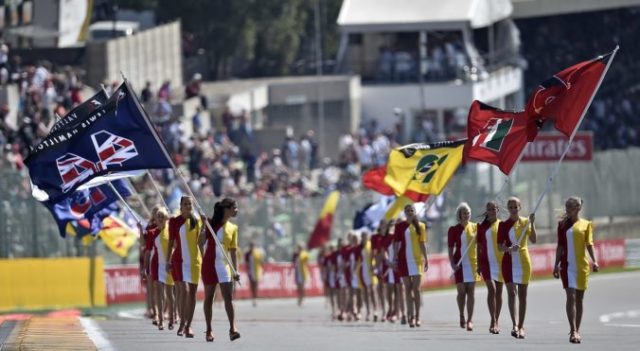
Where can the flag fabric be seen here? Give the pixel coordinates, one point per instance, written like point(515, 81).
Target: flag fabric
point(397, 207)
point(374, 179)
point(78, 113)
point(110, 139)
point(423, 168)
point(117, 236)
point(92, 205)
point(322, 231)
point(564, 97)
point(496, 136)
point(371, 215)
point(80, 230)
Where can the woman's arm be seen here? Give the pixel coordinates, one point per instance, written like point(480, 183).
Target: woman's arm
point(596, 266)
point(423, 248)
point(559, 252)
point(234, 262)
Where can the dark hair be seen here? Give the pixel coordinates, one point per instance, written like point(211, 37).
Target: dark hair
point(218, 210)
point(484, 214)
point(191, 221)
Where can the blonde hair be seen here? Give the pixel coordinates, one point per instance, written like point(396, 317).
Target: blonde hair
point(463, 205)
point(162, 210)
point(576, 201)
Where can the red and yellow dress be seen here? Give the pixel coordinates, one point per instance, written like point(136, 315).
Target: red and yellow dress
point(301, 267)
point(410, 259)
point(489, 255)
point(574, 264)
point(159, 256)
point(186, 259)
point(459, 239)
point(253, 260)
point(516, 266)
point(367, 262)
point(391, 275)
point(215, 267)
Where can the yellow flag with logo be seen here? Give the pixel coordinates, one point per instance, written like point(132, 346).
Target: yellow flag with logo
point(423, 168)
point(117, 236)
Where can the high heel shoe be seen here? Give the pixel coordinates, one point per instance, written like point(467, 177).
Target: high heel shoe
point(160, 326)
point(412, 322)
point(514, 332)
point(180, 330)
point(233, 335)
point(188, 333)
point(521, 334)
point(463, 322)
point(209, 336)
point(469, 326)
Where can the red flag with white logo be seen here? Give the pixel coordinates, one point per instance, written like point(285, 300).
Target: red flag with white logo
point(564, 97)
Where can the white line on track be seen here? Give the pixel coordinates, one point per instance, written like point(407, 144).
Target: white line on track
point(96, 335)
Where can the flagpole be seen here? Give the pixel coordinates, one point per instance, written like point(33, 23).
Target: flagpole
point(575, 130)
point(133, 213)
point(157, 189)
point(175, 169)
point(139, 199)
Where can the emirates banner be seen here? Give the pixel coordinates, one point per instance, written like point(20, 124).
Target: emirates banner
point(550, 146)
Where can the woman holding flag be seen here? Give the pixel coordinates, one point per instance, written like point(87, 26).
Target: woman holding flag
point(162, 280)
point(516, 262)
point(490, 262)
point(575, 236)
point(411, 248)
point(186, 259)
point(461, 241)
point(216, 269)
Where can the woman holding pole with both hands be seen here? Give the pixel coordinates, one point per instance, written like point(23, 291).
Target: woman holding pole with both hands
point(516, 262)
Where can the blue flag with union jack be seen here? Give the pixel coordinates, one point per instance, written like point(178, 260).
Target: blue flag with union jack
point(93, 204)
point(117, 136)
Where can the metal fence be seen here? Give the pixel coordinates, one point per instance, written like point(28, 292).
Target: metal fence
point(608, 185)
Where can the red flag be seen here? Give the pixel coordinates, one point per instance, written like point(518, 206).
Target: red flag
point(565, 96)
point(374, 179)
point(496, 136)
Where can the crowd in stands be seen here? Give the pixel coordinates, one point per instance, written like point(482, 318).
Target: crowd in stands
point(552, 43)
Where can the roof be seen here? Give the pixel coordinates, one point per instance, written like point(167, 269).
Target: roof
point(409, 15)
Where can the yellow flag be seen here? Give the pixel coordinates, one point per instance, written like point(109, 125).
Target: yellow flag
point(117, 236)
point(423, 168)
point(397, 207)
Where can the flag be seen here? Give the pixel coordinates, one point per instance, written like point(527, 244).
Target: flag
point(117, 236)
point(374, 179)
point(564, 97)
point(397, 207)
point(322, 231)
point(80, 230)
point(78, 113)
point(496, 136)
point(92, 205)
point(423, 168)
point(110, 139)
point(371, 215)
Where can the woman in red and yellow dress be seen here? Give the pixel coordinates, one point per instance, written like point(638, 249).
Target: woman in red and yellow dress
point(162, 280)
point(411, 239)
point(253, 260)
point(145, 247)
point(185, 262)
point(215, 266)
point(461, 241)
point(516, 262)
point(300, 262)
point(490, 262)
point(367, 277)
point(575, 240)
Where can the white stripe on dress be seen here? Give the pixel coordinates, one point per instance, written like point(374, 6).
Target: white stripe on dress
point(222, 268)
point(412, 268)
point(494, 268)
point(186, 256)
point(516, 264)
point(467, 270)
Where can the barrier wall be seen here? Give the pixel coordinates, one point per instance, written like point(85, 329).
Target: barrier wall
point(123, 282)
point(50, 283)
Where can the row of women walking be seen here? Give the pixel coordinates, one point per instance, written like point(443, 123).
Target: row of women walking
point(498, 252)
point(387, 268)
point(181, 250)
